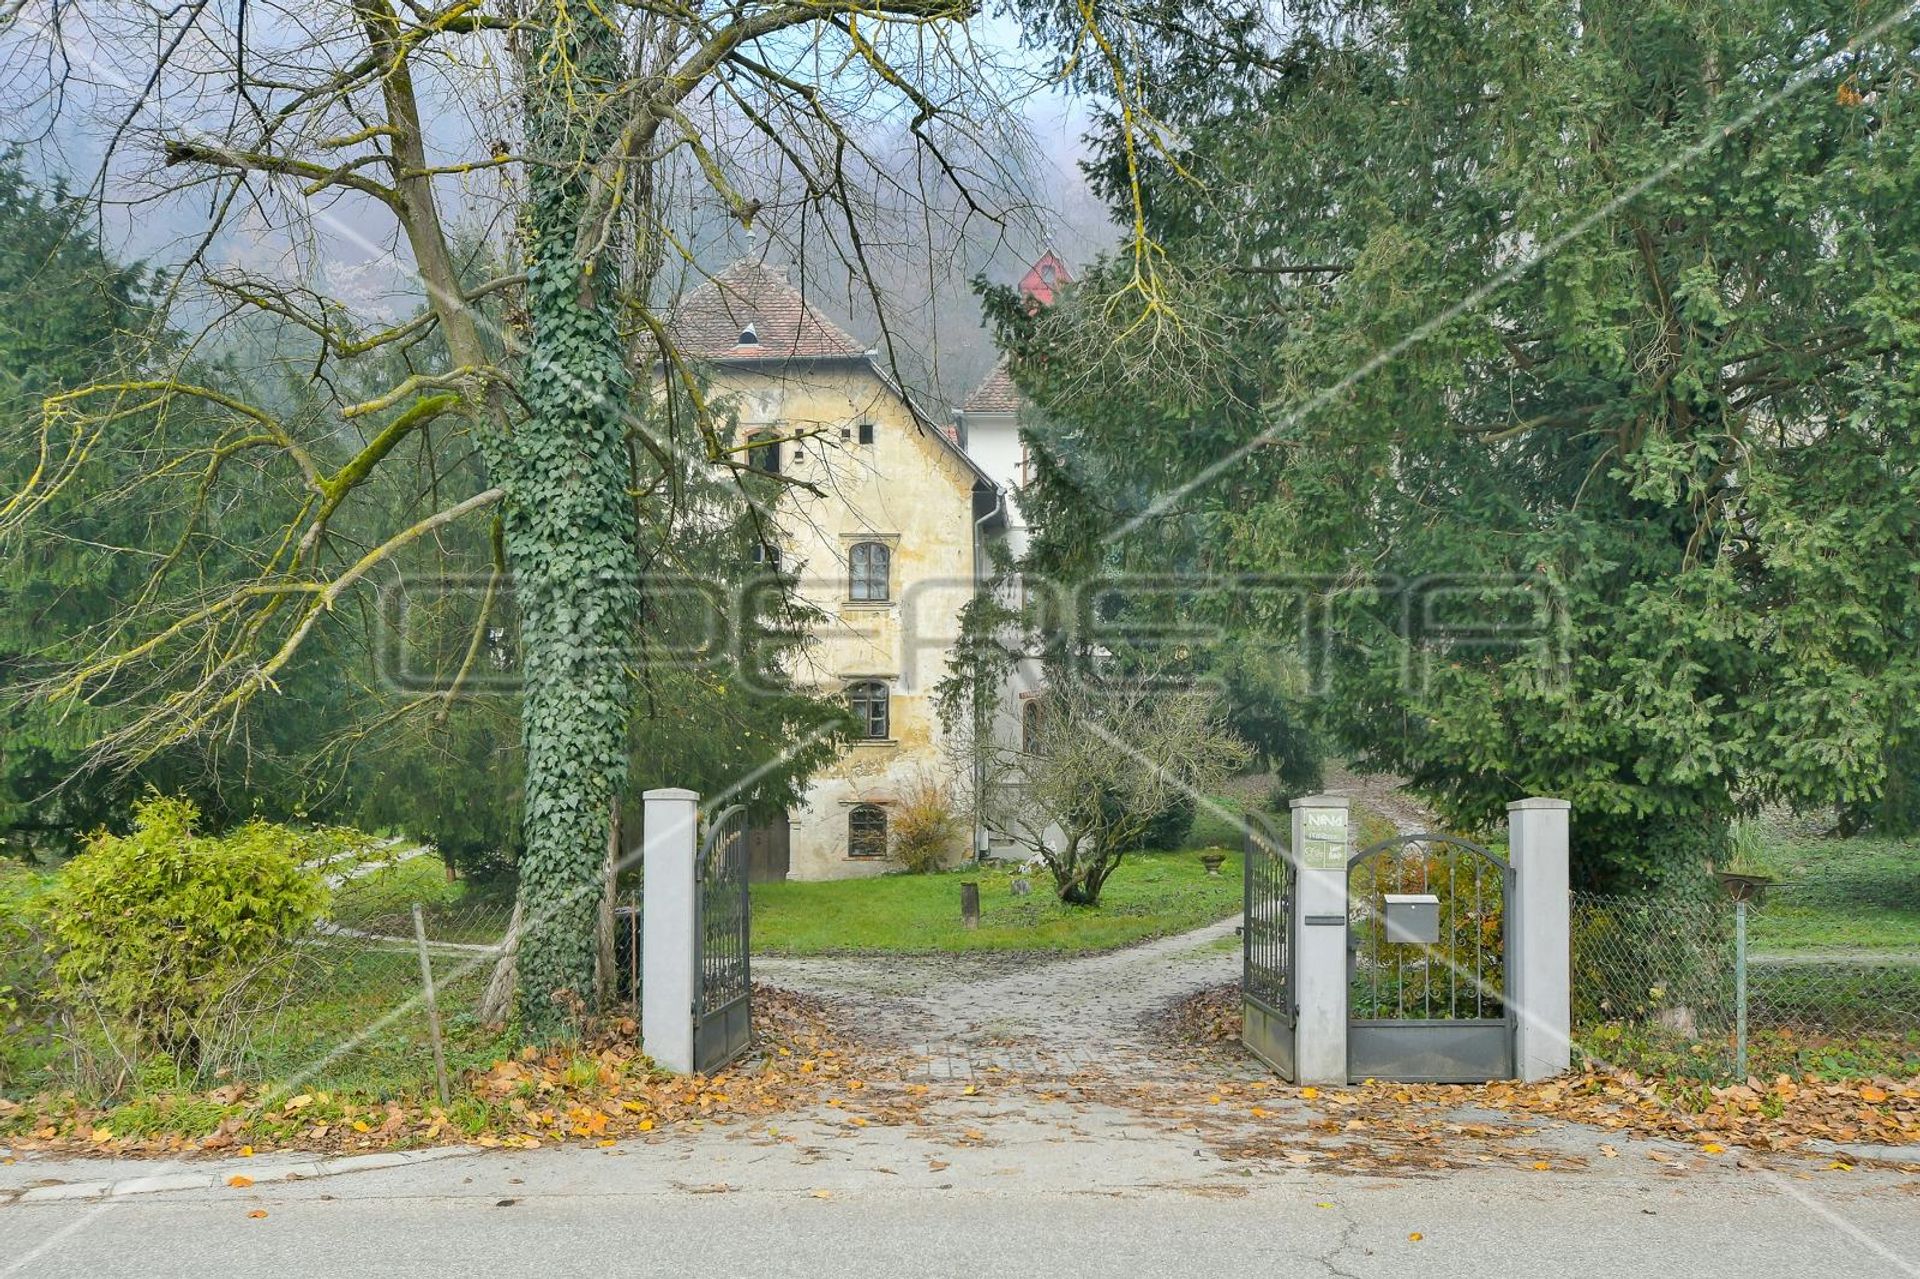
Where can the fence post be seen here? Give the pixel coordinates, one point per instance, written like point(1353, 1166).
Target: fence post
point(1320, 847)
point(1740, 990)
point(433, 1005)
point(1539, 971)
point(669, 949)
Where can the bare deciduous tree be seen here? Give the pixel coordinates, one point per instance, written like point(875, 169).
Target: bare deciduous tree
point(557, 141)
point(1112, 752)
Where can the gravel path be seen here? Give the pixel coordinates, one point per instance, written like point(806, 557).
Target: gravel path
point(967, 1015)
point(1381, 792)
point(964, 1015)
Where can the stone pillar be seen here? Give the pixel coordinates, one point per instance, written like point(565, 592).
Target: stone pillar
point(1320, 847)
point(1540, 959)
point(667, 947)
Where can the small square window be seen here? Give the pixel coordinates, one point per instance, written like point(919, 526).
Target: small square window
point(866, 432)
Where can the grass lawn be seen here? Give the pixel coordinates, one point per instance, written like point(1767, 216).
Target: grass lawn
point(1859, 894)
point(1216, 824)
point(454, 910)
point(1151, 895)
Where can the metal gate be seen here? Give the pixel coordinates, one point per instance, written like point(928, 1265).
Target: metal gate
point(1428, 1010)
point(1268, 1012)
point(722, 987)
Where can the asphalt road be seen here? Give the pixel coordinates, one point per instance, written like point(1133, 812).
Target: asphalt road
point(1473, 1226)
point(1041, 1200)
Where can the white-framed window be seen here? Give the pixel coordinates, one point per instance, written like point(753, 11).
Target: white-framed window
point(872, 703)
point(869, 566)
point(764, 455)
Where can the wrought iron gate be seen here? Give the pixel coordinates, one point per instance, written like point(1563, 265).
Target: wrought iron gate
point(1429, 1010)
point(1268, 1011)
point(722, 989)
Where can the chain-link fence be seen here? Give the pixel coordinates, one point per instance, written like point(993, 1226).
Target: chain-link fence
point(360, 1012)
point(406, 954)
point(1679, 980)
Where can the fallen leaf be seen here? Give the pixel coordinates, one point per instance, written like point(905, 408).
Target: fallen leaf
point(257, 1213)
point(239, 1181)
point(1416, 1236)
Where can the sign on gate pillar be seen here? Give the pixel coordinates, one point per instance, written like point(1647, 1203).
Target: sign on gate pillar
point(1539, 971)
point(1320, 848)
point(668, 914)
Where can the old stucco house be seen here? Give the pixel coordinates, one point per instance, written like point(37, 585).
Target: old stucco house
point(888, 546)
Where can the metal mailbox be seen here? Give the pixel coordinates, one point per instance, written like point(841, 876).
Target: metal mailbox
point(1413, 918)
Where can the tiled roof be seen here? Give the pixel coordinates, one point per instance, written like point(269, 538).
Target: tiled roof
point(710, 321)
point(997, 394)
point(1044, 278)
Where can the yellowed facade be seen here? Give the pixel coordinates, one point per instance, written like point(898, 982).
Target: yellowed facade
point(913, 492)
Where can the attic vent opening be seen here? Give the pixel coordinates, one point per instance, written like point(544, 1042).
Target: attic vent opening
point(749, 336)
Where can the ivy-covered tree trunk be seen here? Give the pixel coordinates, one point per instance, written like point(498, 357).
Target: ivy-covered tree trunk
point(569, 522)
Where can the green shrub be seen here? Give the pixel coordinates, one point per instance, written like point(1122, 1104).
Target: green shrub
point(158, 927)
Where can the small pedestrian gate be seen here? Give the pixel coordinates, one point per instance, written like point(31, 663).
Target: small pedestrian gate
point(1268, 1014)
point(1427, 970)
point(723, 987)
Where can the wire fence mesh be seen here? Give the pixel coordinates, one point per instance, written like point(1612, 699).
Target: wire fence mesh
point(342, 1006)
point(1665, 979)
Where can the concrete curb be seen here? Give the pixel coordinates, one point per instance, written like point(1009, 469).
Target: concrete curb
point(262, 1174)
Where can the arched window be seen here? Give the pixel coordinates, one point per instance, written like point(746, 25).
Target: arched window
point(1030, 726)
point(867, 831)
point(867, 571)
point(869, 701)
point(764, 453)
